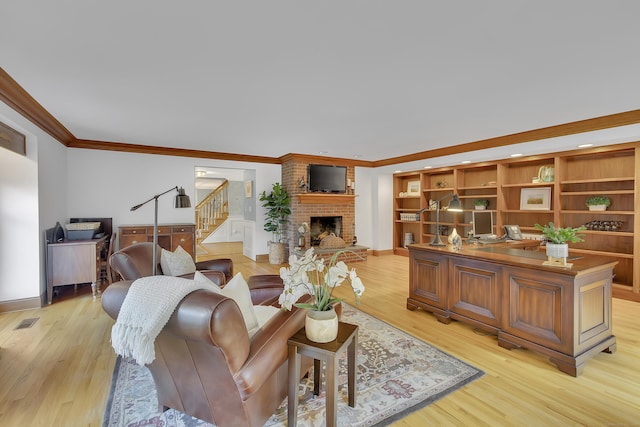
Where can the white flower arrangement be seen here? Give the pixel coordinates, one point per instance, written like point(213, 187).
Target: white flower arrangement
point(308, 275)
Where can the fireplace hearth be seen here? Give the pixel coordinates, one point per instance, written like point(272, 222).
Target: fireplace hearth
point(322, 226)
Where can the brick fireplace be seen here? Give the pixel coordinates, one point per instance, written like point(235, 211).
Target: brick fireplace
point(306, 205)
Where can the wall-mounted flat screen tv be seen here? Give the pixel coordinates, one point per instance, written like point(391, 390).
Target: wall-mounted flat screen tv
point(327, 178)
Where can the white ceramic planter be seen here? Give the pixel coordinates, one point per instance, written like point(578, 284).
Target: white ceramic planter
point(480, 207)
point(557, 251)
point(321, 326)
point(597, 207)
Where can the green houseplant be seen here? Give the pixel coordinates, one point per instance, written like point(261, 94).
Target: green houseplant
point(558, 239)
point(598, 203)
point(277, 204)
point(481, 203)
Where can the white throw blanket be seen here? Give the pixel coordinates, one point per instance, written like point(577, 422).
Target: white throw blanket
point(144, 312)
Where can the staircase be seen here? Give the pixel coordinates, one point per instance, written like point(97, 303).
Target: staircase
point(212, 211)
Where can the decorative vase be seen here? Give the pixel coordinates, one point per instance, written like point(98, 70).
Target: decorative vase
point(301, 241)
point(452, 236)
point(321, 326)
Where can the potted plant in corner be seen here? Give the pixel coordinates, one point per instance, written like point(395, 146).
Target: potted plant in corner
point(598, 203)
point(481, 204)
point(557, 242)
point(277, 205)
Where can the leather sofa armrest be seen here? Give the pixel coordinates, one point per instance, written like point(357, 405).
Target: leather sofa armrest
point(265, 288)
point(113, 297)
point(202, 315)
point(224, 265)
point(269, 350)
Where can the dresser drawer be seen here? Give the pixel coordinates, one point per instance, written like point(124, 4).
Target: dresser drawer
point(183, 229)
point(128, 231)
point(132, 239)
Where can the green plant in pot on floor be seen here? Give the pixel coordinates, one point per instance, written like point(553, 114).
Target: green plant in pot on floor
point(277, 204)
point(309, 275)
point(558, 239)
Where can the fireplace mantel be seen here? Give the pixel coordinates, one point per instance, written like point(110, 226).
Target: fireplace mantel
point(326, 198)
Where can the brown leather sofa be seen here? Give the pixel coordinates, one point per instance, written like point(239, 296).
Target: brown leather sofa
point(207, 366)
point(134, 262)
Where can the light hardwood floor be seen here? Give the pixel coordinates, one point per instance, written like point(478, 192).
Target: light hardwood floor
point(58, 372)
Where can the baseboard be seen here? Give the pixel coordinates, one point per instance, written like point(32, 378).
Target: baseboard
point(20, 304)
point(375, 252)
point(262, 258)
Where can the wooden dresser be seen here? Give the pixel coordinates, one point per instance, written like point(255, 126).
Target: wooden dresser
point(170, 236)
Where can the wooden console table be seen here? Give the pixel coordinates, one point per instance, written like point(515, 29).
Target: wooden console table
point(74, 261)
point(170, 236)
point(564, 313)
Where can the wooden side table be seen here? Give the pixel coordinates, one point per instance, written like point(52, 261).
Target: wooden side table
point(329, 353)
point(74, 261)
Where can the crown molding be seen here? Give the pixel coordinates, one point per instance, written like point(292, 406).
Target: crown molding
point(323, 160)
point(14, 95)
point(169, 151)
point(581, 126)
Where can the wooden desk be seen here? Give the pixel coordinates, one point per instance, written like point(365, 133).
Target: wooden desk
point(564, 313)
point(329, 353)
point(72, 262)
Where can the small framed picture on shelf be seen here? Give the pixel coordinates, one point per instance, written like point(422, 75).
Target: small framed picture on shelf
point(535, 199)
point(413, 188)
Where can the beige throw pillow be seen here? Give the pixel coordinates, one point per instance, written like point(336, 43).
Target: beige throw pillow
point(238, 290)
point(176, 263)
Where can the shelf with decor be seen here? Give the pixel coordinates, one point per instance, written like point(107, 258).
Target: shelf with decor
point(610, 232)
point(407, 200)
point(563, 181)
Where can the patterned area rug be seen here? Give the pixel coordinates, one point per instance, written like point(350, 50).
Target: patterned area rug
point(397, 374)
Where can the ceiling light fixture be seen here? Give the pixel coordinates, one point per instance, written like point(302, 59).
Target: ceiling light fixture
point(428, 167)
point(585, 145)
point(465, 162)
point(516, 155)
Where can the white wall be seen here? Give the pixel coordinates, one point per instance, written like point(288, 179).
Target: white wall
point(107, 184)
point(32, 198)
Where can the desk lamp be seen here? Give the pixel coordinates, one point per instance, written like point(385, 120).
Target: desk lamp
point(454, 206)
point(182, 201)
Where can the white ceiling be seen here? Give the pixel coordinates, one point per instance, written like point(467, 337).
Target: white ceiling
point(372, 79)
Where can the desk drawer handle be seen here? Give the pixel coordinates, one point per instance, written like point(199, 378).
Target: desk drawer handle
point(135, 231)
point(134, 241)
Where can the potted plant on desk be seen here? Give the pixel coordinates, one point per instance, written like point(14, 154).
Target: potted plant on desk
point(557, 242)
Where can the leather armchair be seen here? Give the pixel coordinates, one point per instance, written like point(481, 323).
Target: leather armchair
point(134, 262)
point(207, 366)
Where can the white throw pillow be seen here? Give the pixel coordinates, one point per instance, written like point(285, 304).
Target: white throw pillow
point(199, 277)
point(264, 313)
point(176, 263)
point(238, 290)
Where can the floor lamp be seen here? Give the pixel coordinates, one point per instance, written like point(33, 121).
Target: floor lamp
point(454, 206)
point(182, 201)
